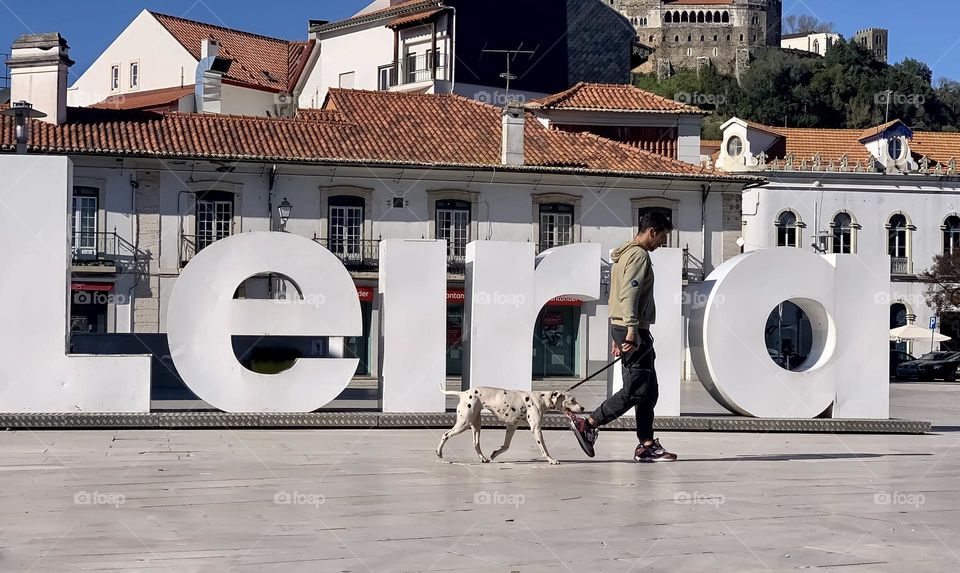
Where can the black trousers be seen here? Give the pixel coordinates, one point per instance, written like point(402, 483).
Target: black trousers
point(640, 389)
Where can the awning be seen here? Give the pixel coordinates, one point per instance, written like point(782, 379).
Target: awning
point(99, 287)
point(913, 332)
point(416, 18)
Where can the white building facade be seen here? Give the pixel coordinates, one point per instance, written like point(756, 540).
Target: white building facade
point(886, 189)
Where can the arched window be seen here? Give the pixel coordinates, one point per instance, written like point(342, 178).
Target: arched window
point(716, 38)
point(684, 17)
point(787, 229)
point(842, 234)
point(676, 39)
point(741, 37)
point(710, 17)
point(898, 245)
point(816, 46)
point(716, 17)
point(726, 18)
point(690, 38)
point(703, 38)
point(951, 235)
point(700, 17)
point(668, 18)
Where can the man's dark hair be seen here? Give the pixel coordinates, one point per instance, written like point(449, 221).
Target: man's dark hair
point(656, 220)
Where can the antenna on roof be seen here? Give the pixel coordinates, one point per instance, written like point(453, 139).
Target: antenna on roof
point(510, 56)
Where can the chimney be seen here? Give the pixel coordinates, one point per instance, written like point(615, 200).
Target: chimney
point(209, 48)
point(38, 74)
point(511, 148)
point(208, 81)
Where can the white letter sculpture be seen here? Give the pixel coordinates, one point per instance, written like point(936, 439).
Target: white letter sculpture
point(506, 286)
point(203, 315)
point(36, 374)
point(846, 372)
point(413, 286)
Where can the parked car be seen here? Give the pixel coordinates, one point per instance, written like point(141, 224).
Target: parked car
point(898, 357)
point(940, 365)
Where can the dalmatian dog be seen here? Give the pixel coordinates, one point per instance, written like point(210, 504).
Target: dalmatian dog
point(511, 407)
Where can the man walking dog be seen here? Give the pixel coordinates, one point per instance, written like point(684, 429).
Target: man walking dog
point(632, 311)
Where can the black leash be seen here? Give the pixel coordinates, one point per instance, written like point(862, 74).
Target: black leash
point(595, 374)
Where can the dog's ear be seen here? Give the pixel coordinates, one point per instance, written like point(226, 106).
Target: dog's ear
point(553, 398)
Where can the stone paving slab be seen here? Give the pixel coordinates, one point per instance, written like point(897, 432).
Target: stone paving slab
point(361, 500)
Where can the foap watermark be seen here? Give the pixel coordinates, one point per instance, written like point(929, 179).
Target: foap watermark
point(899, 498)
point(82, 297)
point(697, 498)
point(500, 298)
point(884, 297)
point(499, 99)
point(298, 498)
point(897, 98)
point(498, 498)
point(696, 298)
point(99, 498)
point(315, 300)
point(697, 98)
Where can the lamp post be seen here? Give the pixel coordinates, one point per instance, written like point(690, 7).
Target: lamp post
point(21, 112)
point(284, 209)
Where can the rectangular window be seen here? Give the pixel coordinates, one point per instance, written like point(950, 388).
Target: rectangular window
point(453, 226)
point(85, 221)
point(214, 220)
point(387, 77)
point(345, 224)
point(115, 78)
point(786, 236)
point(841, 240)
point(134, 75)
point(556, 225)
point(348, 80)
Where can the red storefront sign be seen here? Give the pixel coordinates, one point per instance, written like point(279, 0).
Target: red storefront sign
point(454, 296)
point(98, 287)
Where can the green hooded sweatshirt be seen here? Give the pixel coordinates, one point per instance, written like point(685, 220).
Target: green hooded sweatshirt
point(631, 287)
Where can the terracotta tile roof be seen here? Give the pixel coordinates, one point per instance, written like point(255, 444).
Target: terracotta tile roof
point(936, 146)
point(258, 61)
point(423, 16)
point(151, 100)
point(764, 128)
point(878, 129)
point(833, 144)
point(356, 127)
point(611, 97)
point(396, 10)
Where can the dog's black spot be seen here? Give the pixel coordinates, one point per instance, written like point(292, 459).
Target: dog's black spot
point(504, 392)
point(468, 405)
point(512, 409)
point(526, 398)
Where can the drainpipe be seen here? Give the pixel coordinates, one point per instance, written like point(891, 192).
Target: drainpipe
point(452, 57)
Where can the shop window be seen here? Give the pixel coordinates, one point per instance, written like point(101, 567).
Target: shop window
point(555, 341)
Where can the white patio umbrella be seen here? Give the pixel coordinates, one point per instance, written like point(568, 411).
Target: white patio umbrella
point(913, 332)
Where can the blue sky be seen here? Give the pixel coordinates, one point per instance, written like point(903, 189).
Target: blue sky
point(90, 25)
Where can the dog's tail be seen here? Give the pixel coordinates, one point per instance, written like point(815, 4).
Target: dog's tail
point(443, 389)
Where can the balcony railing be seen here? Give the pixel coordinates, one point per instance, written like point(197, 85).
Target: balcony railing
point(414, 69)
point(692, 268)
point(92, 246)
point(190, 245)
point(900, 266)
point(356, 254)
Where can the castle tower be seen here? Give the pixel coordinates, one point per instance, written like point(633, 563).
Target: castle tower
point(876, 40)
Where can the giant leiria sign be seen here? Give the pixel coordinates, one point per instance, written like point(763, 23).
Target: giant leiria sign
point(506, 287)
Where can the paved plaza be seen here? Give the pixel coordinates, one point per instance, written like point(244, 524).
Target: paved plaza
point(379, 500)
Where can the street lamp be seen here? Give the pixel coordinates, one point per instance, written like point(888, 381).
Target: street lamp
point(284, 209)
point(21, 111)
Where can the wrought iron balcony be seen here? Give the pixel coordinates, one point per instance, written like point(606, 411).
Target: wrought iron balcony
point(414, 69)
point(356, 254)
point(900, 266)
point(93, 246)
point(190, 245)
point(692, 268)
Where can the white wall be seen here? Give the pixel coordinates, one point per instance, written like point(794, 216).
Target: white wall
point(162, 61)
point(361, 49)
point(870, 199)
point(237, 100)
